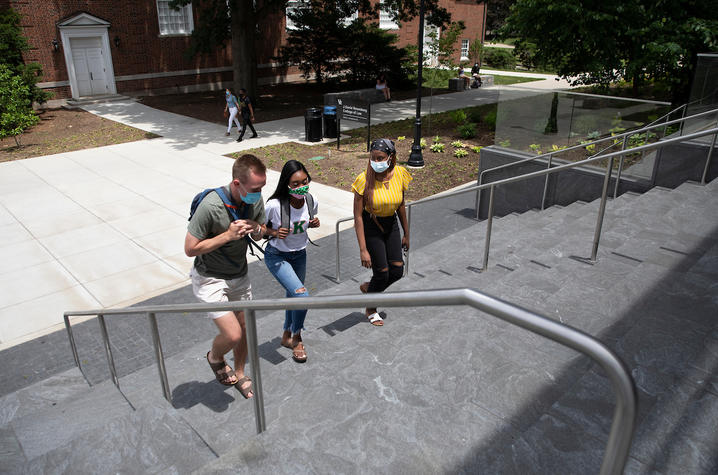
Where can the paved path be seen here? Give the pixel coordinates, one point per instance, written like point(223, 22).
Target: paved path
point(104, 227)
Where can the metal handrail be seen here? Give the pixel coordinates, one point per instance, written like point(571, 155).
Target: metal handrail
point(624, 415)
point(549, 155)
point(548, 171)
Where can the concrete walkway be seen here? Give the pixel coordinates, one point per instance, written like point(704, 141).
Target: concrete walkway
point(105, 227)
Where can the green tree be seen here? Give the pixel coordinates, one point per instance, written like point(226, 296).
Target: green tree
point(235, 22)
point(476, 51)
point(16, 112)
point(12, 45)
point(631, 40)
point(496, 13)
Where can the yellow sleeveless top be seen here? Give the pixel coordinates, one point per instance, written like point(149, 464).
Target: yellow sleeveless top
point(388, 195)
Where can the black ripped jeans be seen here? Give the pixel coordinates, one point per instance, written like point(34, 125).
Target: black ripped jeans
point(384, 248)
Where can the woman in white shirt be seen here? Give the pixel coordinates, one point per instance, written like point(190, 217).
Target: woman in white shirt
point(285, 255)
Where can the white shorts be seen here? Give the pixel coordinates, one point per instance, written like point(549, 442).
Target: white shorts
point(213, 290)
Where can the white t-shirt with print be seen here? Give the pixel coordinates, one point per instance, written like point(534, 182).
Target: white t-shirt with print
point(297, 238)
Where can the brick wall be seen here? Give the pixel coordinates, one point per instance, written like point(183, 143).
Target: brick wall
point(142, 51)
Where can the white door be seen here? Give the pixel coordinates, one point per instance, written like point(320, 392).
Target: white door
point(89, 66)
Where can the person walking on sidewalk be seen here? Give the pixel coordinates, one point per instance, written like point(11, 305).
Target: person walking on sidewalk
point(218, 242)
point(286, 254)
point(245, 106)
point(378, 199)
point(231, 109)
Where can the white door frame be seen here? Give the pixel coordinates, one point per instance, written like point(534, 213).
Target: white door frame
point(85, 25)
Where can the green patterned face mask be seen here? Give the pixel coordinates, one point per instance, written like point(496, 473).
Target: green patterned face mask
point(300, 191)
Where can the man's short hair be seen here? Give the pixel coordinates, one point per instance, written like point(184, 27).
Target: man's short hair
point(245, 163)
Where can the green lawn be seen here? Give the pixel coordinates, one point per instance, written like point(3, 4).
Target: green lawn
point(504, 80)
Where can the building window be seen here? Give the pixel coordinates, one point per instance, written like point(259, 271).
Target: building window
point(292, 7)
point(348, 20)
point(174, 22)
point(386, 21)
point(464, 50)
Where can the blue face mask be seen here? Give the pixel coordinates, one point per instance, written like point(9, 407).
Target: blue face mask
point(380, 167)
point(251, 198)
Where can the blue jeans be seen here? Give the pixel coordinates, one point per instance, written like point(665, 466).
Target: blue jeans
point(289, 268)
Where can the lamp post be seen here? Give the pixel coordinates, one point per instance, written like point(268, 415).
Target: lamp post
point(416, 160)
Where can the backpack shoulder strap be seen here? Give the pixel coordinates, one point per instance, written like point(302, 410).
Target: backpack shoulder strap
point(232, 209)
point(309, 199)
point(285, 213)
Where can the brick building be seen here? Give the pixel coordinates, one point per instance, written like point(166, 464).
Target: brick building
point(100, 47)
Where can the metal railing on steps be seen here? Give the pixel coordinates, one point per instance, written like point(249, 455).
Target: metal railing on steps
point(624, 414)
point(546, 172)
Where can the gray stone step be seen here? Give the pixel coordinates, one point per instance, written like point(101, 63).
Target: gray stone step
point(48, 428)
point(150, 440)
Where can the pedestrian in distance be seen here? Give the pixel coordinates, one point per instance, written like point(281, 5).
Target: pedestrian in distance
point(291, 210)
point(378, 199)
point(247, 111)
point(383, 86)
point(231, 109)
point(222, 220)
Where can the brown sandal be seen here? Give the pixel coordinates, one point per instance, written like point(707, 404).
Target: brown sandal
point(224, 377)
point(244, 391)
point(298, 353)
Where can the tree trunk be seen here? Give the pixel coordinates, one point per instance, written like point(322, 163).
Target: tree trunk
point(636, 83)
point(244, 56)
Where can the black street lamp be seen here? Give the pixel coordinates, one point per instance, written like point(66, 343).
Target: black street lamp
point(416, 160)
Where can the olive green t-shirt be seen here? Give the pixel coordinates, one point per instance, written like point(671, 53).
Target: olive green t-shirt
point(211, 219)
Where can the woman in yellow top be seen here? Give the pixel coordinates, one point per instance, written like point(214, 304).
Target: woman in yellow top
point(378, 199)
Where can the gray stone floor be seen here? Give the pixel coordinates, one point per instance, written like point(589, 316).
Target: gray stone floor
point(445, 390)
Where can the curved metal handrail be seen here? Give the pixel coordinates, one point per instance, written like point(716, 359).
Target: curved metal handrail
point(624, 414)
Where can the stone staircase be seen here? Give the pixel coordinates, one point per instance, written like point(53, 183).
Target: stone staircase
point(437, 390)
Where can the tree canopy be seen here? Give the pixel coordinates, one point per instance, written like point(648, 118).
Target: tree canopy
point(236, 21)
point(632, 40)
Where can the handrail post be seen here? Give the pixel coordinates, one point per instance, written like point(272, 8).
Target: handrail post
point(601, 210)
point(478, 196)
point(408, 251)
point(251, 329)
point(337, 254)
point(108, 349)
point(620, 167)
point(159, 355)
point(708, 160)
point(545, 183)
point(73, 345)
point(489, 222)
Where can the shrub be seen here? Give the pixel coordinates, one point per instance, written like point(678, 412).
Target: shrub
point(422, 143)
point(16, 112)
point(437, 139)
point(490, 119)
point(460, 152)
point(505, 143)
point(458, 144)
point(458, 116)
point(476, 148)
point(437, 148)
point(500, 58)
point(467, 131)
point(401, 138)
point(534, 147)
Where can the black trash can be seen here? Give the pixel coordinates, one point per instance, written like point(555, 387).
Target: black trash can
point(330, 122)
point(313, 125)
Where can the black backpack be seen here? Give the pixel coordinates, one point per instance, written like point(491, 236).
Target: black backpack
point(234, 214)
